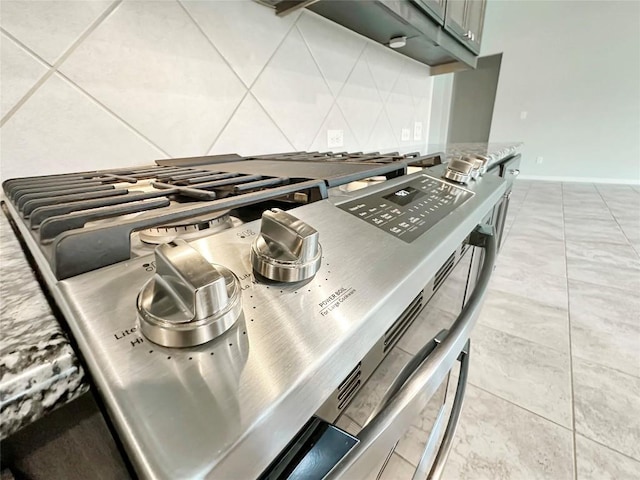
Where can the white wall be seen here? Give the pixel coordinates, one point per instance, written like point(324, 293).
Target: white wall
point(574, 67)
point(101, 84)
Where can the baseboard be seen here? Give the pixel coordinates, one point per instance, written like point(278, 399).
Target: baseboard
point(618, 181)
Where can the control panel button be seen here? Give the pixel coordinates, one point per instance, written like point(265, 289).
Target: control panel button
point(189, 301)
point(287, 249)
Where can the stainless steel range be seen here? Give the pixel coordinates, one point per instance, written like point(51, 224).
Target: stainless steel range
point(233, 312)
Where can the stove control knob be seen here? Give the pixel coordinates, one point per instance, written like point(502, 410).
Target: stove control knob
point(189, 301)
point(287, 249)
point(459, 171)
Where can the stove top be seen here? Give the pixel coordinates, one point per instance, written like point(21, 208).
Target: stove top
point(88, 220)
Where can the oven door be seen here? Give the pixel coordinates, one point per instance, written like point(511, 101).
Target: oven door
point(398, 414)
point(413, 418)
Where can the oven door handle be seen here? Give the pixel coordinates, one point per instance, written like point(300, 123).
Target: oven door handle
point(437, 468)
point(423, 380)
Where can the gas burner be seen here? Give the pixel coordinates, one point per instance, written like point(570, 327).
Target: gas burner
point(190, 229)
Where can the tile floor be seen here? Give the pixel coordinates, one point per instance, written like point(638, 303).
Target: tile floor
point(554, 386)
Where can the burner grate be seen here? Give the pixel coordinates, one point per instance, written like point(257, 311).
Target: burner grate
point(83, 221)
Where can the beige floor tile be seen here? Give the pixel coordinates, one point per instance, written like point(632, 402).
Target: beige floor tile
point(607, 406)
point(497, 440)
point(528, 374)
point(605, 326)
point(596, 462)
point(540, 255)
point(527, 319)
point(590, 230)
point(544, 288)
point(610, 265)
point(397, 469)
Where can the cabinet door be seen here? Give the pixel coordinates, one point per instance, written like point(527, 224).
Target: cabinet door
point(435, 8)
point(454, 18)
point(474, 21)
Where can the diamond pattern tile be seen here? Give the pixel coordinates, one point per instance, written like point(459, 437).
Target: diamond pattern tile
point(49, 28)
point(360, 101)
point(155, 69)
point(335, 121)
point(335, 49)
point(251, 132)
point(386, 67)
point(72, 131)
point(400, 109)
point(293, 92)
point(246, 49)
point(20, 71)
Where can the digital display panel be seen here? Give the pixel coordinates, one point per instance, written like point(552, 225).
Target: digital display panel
point(404, 196)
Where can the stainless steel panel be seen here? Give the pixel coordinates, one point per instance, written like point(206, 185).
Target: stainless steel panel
point(203, 411)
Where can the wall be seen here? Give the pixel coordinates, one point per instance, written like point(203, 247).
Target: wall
point(472, 99)
point(101, 84)
point(574, 67)
point(440, 109)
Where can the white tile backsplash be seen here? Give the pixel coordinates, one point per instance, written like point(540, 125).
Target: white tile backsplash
point(60, 129)
point(148, 79)
point(152, 66)
point(20, 71)
point(293, 91)
point(49, 27)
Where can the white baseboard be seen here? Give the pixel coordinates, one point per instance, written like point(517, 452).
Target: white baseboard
point(618, 181)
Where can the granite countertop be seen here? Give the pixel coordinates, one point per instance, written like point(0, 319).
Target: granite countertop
point(39, 370)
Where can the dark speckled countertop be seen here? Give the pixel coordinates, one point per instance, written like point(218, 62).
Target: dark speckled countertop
point(39, 370)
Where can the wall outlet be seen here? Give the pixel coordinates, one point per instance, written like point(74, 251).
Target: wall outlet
point(335, 138)
point(523, 115)
point(539, 160)
point(417, 130)
point(406, 135)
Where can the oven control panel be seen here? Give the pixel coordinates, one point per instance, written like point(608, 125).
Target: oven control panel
point(409, 210)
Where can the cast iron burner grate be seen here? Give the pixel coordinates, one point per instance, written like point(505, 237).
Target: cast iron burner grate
point(84, 221)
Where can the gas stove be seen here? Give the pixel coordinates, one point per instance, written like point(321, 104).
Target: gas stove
point(223, 303)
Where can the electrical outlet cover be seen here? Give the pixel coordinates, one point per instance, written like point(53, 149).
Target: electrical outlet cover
point(406, 134)
point(335, 138)
point(417, 131)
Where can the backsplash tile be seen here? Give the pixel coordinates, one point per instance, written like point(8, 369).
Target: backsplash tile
point(20, 71)
point(251, 130)
point(293, 91)
point(246, 36)
point(150, 79)
point(60, 129)
point(152, 66)
point(49, 28)
point(334, 49)
point(360, 101)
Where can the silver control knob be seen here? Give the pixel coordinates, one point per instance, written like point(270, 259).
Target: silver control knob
point(459, 171)
point(189, 301)
point(287, 249)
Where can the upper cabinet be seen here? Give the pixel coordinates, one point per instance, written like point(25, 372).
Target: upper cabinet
point(464, 19)
point(439, 33)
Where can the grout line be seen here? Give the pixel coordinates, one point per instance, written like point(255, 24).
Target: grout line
point(608, 447)
point(210, 42)
point(56, 65)
point(617, 222)
point(227, 122)
point(255, 80)
point(337, 95)
point(573, 398)
point(111, 112)
point(470, 382)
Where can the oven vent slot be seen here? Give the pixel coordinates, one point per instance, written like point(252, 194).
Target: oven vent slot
point(402, 323)
point(349, 386)
point(444, 270)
